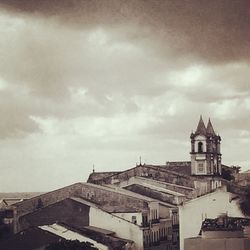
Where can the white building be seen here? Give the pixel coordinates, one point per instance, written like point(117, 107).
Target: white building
point(121, 226)
point(193, 212)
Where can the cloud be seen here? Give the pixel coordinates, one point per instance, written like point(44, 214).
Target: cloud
point(211, 31)
point(107, 81)
point(87, 74)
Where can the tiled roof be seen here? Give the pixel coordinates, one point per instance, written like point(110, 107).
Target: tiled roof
point(155, 182)
point(99, 235)
point(153, 193)
point(163, 190)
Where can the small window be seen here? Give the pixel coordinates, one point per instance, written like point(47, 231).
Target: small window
point(200, 147)
point(134, 219)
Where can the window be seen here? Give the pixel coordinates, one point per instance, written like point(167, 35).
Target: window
point(175, 218)
point(134, 219)
point(200, 147)
point(200, 167)
point(144, 220)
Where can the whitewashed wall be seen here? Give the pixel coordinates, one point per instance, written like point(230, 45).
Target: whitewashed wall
point(192, 213)
point(121, 227)
point(128, 216)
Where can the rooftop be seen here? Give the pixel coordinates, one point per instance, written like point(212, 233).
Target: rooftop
point(99, 235)
point(225, 223)
point(183, 167)
point(163, 190)
point(167, 200)
point(100, 175)
point(162, 183)
point(20, 196)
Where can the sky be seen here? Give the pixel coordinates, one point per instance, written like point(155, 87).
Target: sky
point(102, 83)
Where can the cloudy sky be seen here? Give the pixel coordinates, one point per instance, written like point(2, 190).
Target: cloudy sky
point(105, 82)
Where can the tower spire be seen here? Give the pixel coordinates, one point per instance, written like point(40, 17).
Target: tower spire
point(210, 129)
point(201, 128)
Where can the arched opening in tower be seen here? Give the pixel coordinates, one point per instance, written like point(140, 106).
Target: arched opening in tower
point(200, 147)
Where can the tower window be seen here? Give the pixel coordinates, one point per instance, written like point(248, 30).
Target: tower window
point(200, 147)
point(200, 167)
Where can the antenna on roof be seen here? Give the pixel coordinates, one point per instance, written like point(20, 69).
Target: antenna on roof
point(93, 168)
point(140, 160)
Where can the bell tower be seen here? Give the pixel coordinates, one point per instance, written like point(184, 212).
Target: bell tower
point(205, 150)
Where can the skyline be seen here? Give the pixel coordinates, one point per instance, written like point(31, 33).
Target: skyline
point(86, 83)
